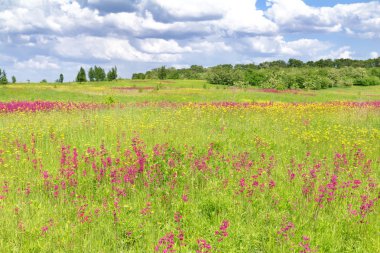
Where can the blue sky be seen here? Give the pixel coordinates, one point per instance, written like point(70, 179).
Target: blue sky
point(39, 39)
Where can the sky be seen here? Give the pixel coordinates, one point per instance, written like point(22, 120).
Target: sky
point(39, 39)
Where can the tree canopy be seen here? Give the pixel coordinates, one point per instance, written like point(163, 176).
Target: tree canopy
point(81, 76)
point(112, 74)
point(3, 77)
point(294, 73)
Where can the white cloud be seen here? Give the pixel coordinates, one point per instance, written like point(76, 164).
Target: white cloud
point(91, 47)
point(278, 46)
point(224, 15)
point(156, 46)
point(145, 25)
point(296, 16)
point(55, 16)
point(209, 46)
point(192, 8)
point(147, 33)
point(341, 53)
point(374, 55)
point(39, 62)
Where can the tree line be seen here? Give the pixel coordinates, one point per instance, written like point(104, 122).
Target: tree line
point(96, 74)
point(294, 73)
point(324, 73)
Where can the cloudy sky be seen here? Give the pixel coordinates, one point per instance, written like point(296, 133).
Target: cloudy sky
point(43, 38)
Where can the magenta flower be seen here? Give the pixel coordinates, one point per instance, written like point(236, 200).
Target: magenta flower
point(222, 232)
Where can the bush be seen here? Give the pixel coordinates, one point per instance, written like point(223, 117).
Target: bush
point(368, 81)
point(223, 75)
point(255, 77)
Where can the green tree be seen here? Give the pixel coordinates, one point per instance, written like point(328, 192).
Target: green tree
point(61, 78)
point(3, 77)
point(81, 76)
point(162, 73)
point(91, 74)
point(99, 74)
point(13, 79)
point(140, 76)
point(255, 77)
point(223, 74)
point(112, 74)
point(294, 63)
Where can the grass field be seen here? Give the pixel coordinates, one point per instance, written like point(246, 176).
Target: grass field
point(198, 168)
point(176, 91)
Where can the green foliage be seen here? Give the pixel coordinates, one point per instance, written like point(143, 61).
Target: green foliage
point(13, 79)
point(110, 100)
point(161, 74)
point(3, 77)
point(294, 63)
point(43, 81)
point(255, 77)
point(172, 73)
point(293, 74)
point(375, 72)
point(112, 74)
point(60, 79)
point(224, 75)
point(368, 81)
point(97, 74)
point(195, 72)
point(91, 74)
point(138, 76)
point(81, 76)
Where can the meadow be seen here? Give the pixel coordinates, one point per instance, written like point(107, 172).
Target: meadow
point(185, 166)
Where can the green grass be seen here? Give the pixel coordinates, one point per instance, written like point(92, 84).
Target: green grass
point(212, 155)
point(175, 91)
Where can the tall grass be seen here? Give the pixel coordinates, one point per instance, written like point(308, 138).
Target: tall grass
point(191, 178)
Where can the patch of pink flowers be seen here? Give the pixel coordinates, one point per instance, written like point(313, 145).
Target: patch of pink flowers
point(203, 246)
point(166, 244)
point(222, 232)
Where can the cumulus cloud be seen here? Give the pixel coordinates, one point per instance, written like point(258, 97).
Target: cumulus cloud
point(278, 46)
point(39, 62)
point(157, 46)
point(297, 16)
point(209, 47)
point(88, 47)
point(47, 34)
point(341, 53)
point(55, 16)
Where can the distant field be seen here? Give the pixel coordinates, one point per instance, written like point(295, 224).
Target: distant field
point(176, 91)
point(198, 168)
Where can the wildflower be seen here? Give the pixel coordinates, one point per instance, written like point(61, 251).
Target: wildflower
point(222, 232)
point(44, 230)
point(272, 184)
point(147, 209)
point(304, 244)
point(177, 217)
point(357, 183)
point(166, 243)
point(185, 198)
point(284, 231)
point(203, 246)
